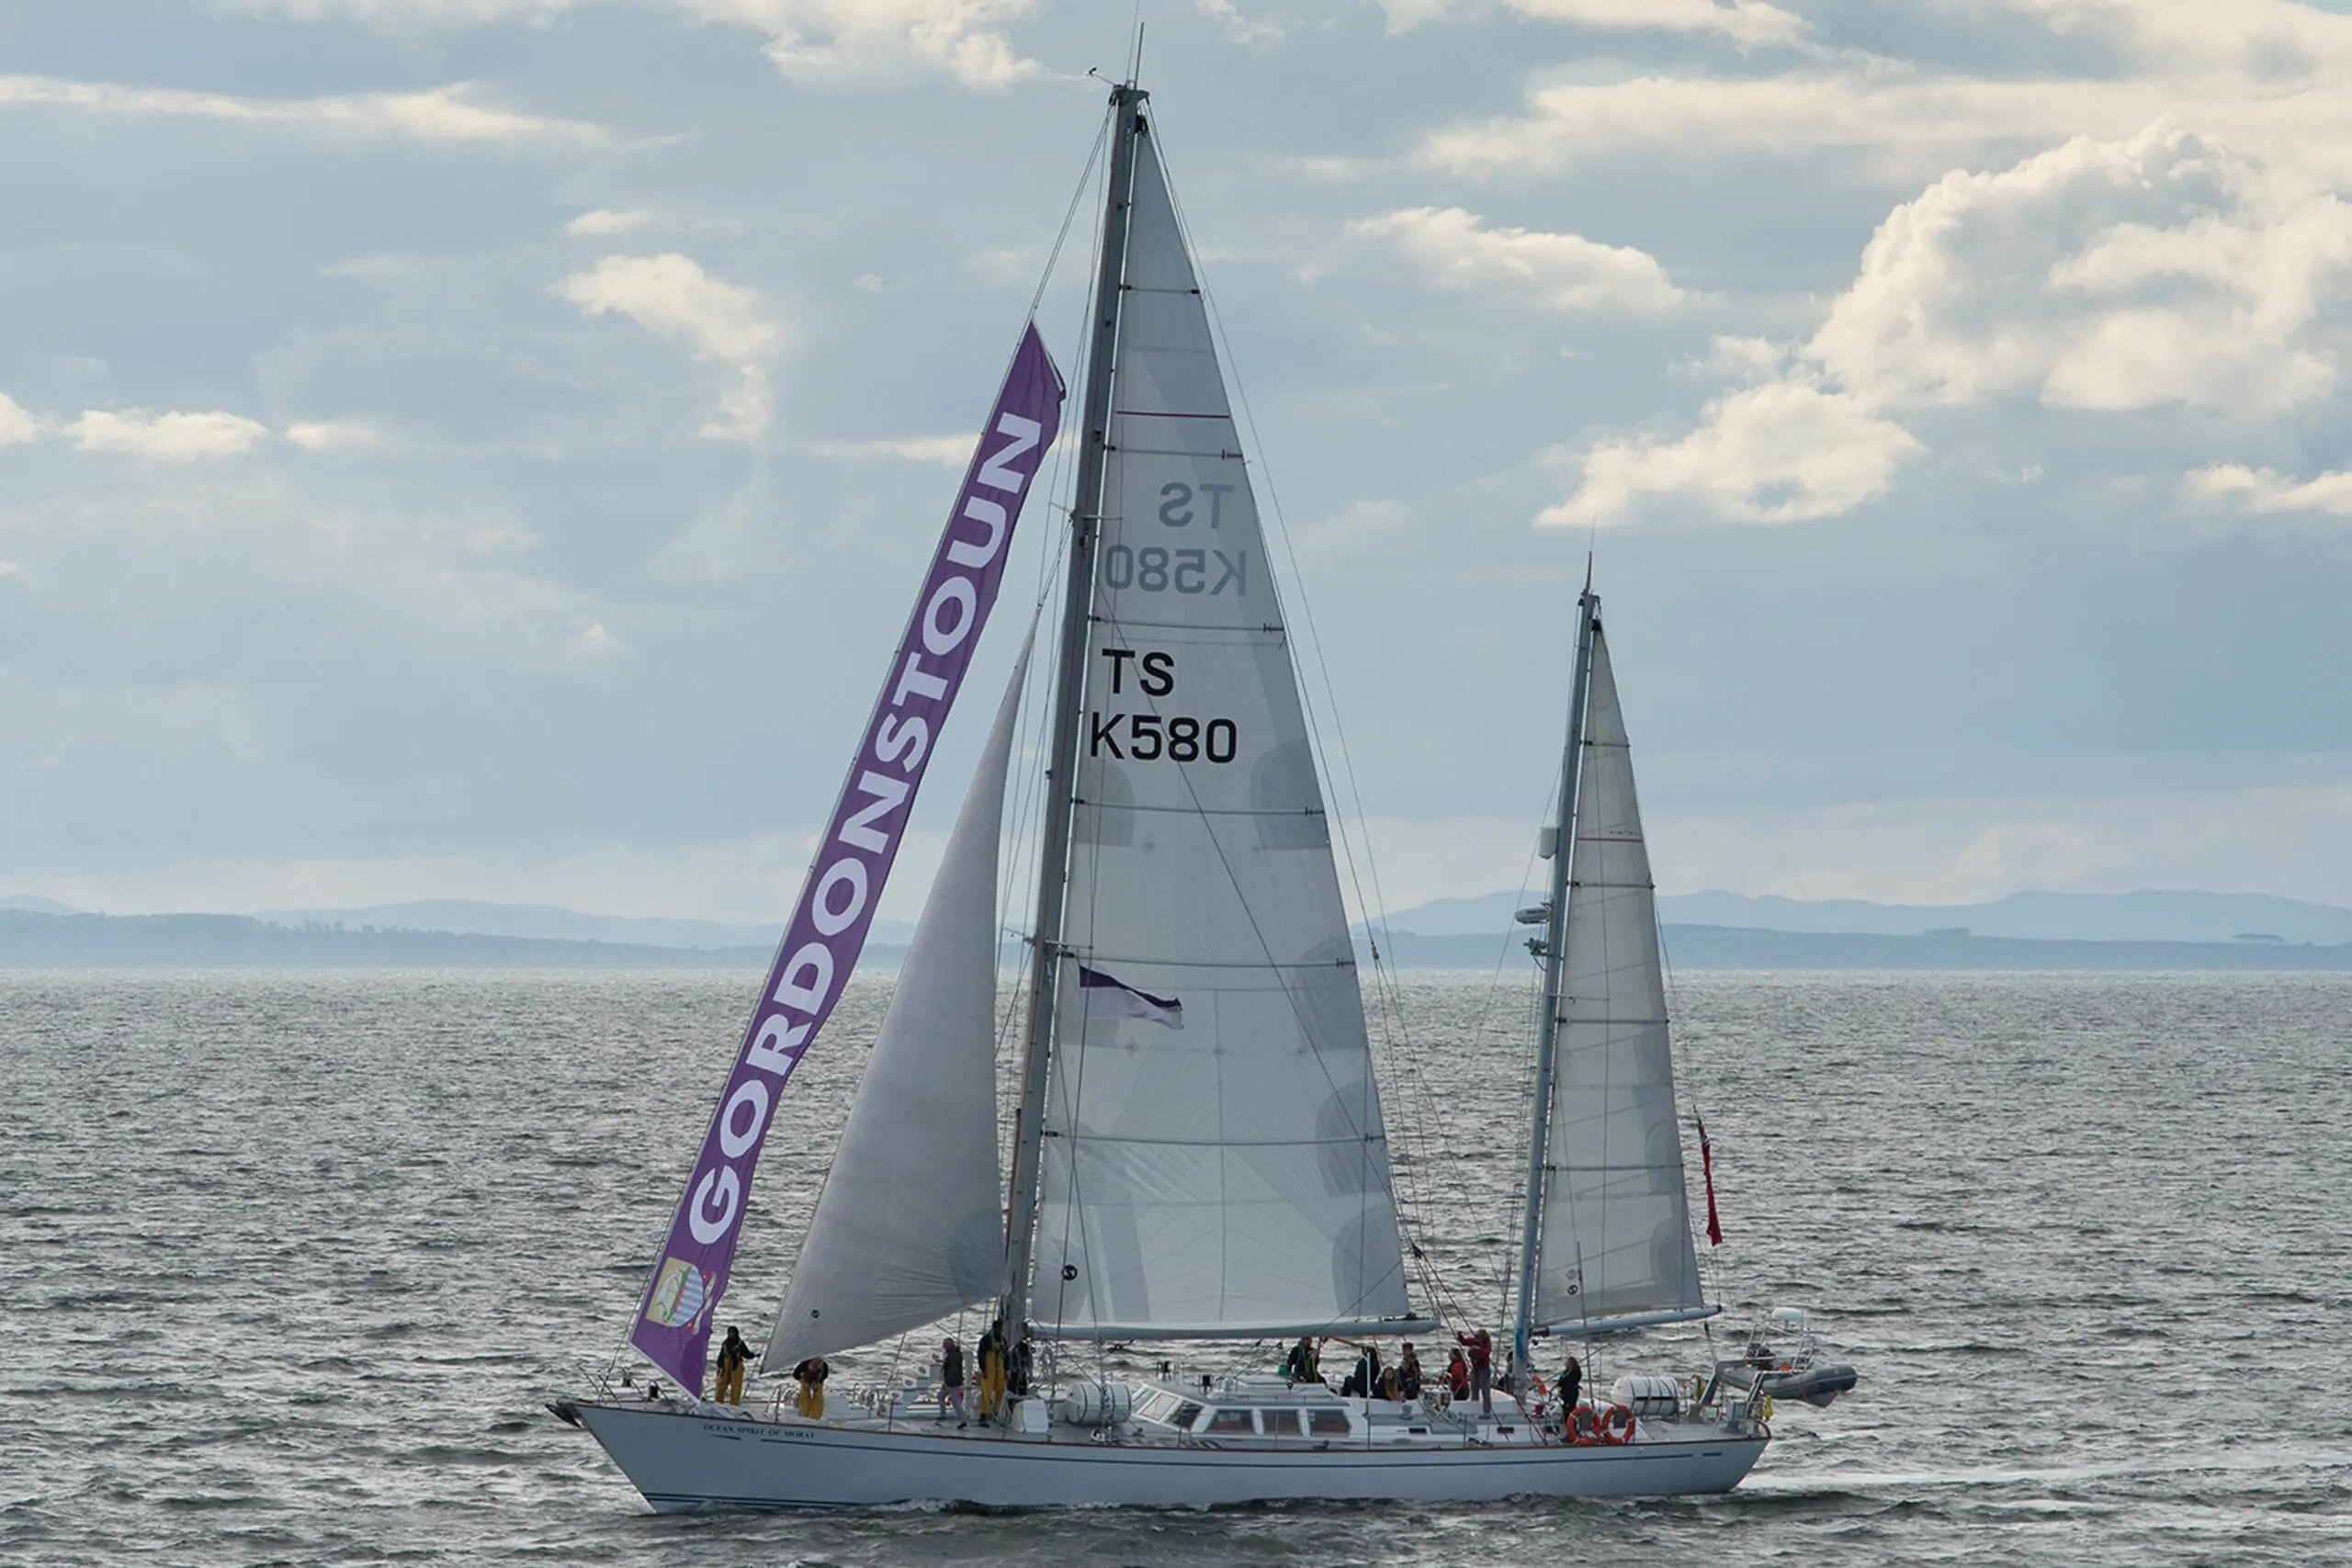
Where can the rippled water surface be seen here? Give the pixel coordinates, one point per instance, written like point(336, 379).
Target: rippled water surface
point(289, 1263)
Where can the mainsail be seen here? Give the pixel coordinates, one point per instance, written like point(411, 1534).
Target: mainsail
point(1616, 1224)
point(1229, 1176)
point(854, 859)
point(908, 1228)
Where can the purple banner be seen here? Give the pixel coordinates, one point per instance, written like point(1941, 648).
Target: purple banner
point(828, 925)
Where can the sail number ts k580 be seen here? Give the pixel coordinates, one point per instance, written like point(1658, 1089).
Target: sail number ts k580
point(1151, 737)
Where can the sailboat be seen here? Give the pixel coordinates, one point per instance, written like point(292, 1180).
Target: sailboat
point(1199, 1150)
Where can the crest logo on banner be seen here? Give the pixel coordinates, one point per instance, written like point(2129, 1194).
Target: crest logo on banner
point(680, 1293)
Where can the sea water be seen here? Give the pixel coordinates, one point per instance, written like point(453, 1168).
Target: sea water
point(290, 1263)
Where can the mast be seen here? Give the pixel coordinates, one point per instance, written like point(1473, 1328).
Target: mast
point(1555, 954)
point(1069, 690)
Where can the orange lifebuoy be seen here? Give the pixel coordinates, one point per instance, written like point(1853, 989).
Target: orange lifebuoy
point(1583, 1427)
point(1617, 1424)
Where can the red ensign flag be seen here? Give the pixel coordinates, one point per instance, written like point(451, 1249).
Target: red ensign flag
point(1707, 1166)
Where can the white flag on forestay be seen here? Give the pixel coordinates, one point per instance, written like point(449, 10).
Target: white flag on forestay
point(1106, 997)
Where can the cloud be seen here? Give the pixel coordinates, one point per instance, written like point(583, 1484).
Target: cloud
point(16, 426)
point(2099, 275)
point(2161, 271)
point(879, 41)
point(165, 438)
point(1747, 23)
point(715, 321)
point(339, 435)
point(1559, 272)
point(1240, 28)
point(602, 221)
point(2262, 75)
point(951, 451)
point(242, 540)
point(2266, 491)
point(1783, 452)
point(407, 13)
point(2278, 39)
point(438, 114)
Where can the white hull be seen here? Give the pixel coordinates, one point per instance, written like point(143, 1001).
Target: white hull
point(681, 1460)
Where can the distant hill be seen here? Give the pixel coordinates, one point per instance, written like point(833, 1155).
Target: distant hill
point(467, 917)
point(2254, 934)
point(34, 941)
point(2160, 917)
point(33, 904)
point(1747, 947)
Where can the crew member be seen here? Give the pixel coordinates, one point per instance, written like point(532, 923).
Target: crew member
point(1023, 1365)
point(992, 1371)
point(1482, 1368)
point(951, 1380)
point(812, 1374)
point(733, 1356)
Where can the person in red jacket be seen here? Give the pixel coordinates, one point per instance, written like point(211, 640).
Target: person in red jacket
point(1457, 1377)
point(1482, 1368)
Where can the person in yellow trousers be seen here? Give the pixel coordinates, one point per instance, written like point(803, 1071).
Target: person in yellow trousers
point(992, 1372)
point(733, 1357)
point(812, 1374)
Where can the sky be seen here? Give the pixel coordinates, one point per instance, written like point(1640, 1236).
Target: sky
point(484, 449)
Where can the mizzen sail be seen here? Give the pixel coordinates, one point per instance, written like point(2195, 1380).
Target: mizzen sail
point(1616, 1233)
point(854, 860)
point(1214, 1160)
point(908, 1228)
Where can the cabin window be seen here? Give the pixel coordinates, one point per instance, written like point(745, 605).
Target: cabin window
point(1327, 1423)
point(1230, 1421)
point(1186, 1413)
point(1278, 1423)
point(1155, 1406)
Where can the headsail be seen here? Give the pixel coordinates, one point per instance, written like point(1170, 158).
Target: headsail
point(1229, 1176)
point(908, 1228)
point(1616, 1234)
point(836, 906)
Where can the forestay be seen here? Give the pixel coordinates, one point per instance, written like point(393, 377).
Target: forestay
point(908, 1229)
point(1616, 1235)
point(1226, 1175)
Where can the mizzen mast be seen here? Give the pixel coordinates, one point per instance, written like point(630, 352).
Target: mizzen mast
point(1553, 949)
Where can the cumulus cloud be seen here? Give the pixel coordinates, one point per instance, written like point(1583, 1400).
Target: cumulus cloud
point(2158, 271)
point(1454, 251)
point(2266, 491)
point(714, 320)
point(953, 451)
point(453, 113)
point(2102, 276)
point(1749, 23)
point(16, 426)
point(1783, 452)
point(883, 39)
point(164, 437)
